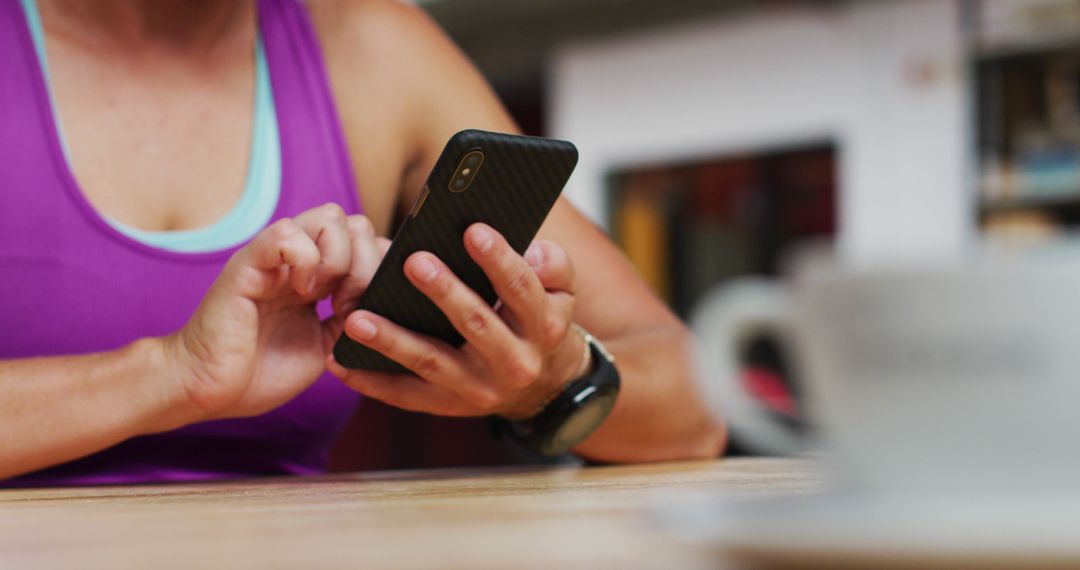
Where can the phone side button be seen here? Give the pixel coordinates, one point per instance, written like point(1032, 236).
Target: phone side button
point(419, 203)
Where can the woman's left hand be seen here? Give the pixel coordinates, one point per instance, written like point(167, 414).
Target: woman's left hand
point(515, 358)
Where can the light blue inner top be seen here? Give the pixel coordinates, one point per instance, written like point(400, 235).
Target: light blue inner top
point(261, 189)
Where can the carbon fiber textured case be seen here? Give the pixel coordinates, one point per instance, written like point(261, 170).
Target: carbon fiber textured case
point(514, 190)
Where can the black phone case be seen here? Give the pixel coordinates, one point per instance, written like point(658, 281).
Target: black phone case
point(517, 185)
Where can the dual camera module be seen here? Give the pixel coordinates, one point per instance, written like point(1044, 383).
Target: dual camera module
point(466, 171)
point(463, 178)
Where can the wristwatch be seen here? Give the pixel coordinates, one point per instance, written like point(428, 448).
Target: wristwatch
point(576, 412)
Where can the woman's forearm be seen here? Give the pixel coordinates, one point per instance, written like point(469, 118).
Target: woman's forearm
point(659, 414)
point(57, 409)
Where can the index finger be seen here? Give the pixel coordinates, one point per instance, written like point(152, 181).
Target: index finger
point(367, 251)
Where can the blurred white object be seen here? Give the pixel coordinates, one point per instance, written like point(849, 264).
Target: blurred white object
point(951, 378)
point(959, 379)
point(724, 322)
point(947, 395)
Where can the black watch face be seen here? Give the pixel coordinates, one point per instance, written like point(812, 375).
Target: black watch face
point(582, 423)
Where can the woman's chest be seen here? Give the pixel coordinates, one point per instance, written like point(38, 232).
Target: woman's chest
point(167, 161)
point(161, 150)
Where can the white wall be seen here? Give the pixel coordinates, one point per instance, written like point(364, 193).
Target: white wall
point(882, 79)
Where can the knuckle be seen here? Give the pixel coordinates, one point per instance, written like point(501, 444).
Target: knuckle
point(331, 212)
point(555, 328)
point(426, 363)
point(283, 229)
point(361, 226)
point(518, 284)
point(477, 322)
point(522, 372)
point(486, 400)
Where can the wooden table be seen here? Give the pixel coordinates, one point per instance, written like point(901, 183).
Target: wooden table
point(540, 518)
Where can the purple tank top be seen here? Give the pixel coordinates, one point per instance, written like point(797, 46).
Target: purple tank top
point(71, 284)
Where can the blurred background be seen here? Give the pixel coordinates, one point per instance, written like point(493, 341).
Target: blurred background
point(716, 136)
point(716, 133)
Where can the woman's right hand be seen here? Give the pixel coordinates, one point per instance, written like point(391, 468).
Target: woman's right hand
point(256, 341)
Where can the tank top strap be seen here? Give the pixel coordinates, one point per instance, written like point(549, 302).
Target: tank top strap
point(307, 117)
point(25, 111)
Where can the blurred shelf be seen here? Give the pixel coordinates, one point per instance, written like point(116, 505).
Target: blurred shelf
point(1014, 28)
point(1032, 47)
point(1026, 58)
point(1054, 202)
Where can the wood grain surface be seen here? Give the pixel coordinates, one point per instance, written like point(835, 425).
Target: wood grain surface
point(566, 517)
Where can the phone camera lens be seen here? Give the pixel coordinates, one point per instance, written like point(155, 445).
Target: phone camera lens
point(467, 171)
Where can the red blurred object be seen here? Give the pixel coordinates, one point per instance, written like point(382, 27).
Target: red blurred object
point(768, 387)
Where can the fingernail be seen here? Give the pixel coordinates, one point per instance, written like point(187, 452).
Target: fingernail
point(481, 239)
point(311, 283)
point(534, 256)
point(424, 270)
point(363, 329)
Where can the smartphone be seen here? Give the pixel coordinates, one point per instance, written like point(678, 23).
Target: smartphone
point(509, 182)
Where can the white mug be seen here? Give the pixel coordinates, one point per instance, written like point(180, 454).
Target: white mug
point(959, 379)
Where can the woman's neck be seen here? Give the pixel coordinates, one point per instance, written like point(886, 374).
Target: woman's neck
point(202, 25)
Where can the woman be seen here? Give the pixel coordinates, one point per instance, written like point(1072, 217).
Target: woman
point(169, 224)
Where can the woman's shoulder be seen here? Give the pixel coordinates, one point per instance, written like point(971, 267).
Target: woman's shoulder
point(398, 46)
point(343, 10)
point(395, 73)
point(391, 31)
